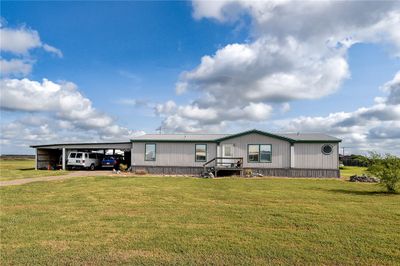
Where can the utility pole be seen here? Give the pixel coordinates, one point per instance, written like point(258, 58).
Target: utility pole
point(343, 150)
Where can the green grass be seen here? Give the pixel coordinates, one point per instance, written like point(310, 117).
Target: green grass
point(347, 171)
point(16, 169)
point(178, 220)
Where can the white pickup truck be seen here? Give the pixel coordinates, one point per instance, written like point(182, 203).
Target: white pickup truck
point(87, 160)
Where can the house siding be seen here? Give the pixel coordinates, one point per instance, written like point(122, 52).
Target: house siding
point(280, 150)
point(171, 154)
point(310, 156)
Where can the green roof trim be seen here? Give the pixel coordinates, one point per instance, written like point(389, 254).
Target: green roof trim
point(256, 132)
point(171, 140)
point(318, 141)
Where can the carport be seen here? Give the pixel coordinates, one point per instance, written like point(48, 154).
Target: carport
point(56, 154)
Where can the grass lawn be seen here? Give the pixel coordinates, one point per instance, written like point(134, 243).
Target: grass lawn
point(178, 220)
point(347, 171)
point(16, 169)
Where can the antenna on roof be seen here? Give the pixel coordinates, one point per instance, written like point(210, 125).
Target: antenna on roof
point(298, 133)
point(159, 129)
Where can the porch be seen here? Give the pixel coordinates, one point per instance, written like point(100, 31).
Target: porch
point(233, 165)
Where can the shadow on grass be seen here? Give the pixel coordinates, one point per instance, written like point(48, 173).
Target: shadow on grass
point(27, 169)
point(357, 192)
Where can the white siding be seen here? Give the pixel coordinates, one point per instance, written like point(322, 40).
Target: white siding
point(309, 155)
point(171, 154)
point(280, 150)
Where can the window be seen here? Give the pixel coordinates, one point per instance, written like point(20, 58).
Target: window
point(259, 153)
point(72, 155)
point(200, 152)
point(150, 152)
point(79, 155)
point(265, 153)
point(327, 149)
point(254, 152)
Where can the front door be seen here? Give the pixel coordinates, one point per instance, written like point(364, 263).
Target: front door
point(227, 152)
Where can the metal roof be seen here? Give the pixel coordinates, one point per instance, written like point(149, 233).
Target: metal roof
point(81, 144)
point(180, 137)
point(309, 136)
point(291, 137)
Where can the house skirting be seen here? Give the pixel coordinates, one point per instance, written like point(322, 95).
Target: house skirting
point(296, 172)
point(168, 170)
point(283, 172)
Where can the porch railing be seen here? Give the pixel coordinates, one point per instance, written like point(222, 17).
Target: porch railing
point(224, 162)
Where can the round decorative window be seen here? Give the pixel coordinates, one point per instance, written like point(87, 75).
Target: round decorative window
point(327, 149)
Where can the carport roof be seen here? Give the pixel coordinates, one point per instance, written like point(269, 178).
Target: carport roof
point(97, 144)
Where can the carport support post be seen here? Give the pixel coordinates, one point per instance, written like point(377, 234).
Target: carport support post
point(63, 158)
point(36, 159)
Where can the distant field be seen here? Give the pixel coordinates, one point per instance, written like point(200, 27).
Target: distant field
point(180, 220)
point(348, 171)
point(16, 169)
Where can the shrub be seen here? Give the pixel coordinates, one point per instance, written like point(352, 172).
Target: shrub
point(248, 172)
point(387, 169)
point(123, 167)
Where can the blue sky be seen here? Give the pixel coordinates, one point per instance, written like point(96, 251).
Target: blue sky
point(120, 50)
point(127, 58)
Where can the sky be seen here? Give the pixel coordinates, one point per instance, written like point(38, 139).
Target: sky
point(109, 71)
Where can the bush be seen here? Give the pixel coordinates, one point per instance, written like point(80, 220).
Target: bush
point(123, 167)
point(387, 169)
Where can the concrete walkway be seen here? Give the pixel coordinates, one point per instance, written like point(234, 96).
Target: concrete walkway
point(22, 181)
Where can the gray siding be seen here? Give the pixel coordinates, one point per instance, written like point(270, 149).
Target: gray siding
point(171, 154)
point(182, 154)
point(280, 150)
point(309, 155)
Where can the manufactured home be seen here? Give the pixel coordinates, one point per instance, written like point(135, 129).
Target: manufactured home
point(269, 154)
point(297, 155)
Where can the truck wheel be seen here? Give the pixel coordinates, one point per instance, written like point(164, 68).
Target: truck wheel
point(92, 167)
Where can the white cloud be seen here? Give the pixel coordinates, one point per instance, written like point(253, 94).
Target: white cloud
point(393, 88)
point(46, 111)
point(285, 107)
point(193, 118)
point(376, 127)
point(19, 40)
point(165, 109)
point(268, 71)
point(257, 111)
point(19, 43)
point(286, 61)
point(295, 50)
point(51, 49)
point(63, 102)
point(17, 135)
point(17, 67)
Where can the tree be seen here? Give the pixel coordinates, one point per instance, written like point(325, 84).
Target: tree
point(387, 169)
